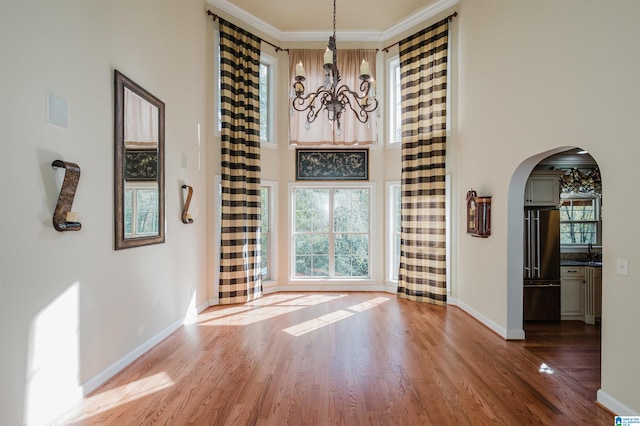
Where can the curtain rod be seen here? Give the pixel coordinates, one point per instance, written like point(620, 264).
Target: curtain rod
point(449, 18)
point(278, 48)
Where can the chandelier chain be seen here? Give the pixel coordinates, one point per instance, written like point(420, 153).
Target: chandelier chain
point(335, 98)
point(334, 19)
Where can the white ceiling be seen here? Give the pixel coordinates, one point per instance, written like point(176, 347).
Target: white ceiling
point(306, 20)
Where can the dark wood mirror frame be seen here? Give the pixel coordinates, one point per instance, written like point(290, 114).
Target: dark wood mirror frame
point(123, 83)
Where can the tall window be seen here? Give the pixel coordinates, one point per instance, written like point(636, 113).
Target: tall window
point(331, 232)
point(267, 191)
point(394, 211)
point(395, 98)
point(267, 220)
point(267, 82)
point(579, 220)
point(267, 85)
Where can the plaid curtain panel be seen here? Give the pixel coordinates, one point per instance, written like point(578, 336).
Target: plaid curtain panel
point(240, 279)
point(423, 80)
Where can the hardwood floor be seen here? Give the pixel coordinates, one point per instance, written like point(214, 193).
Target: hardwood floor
point(571, 347)
point(343, 359)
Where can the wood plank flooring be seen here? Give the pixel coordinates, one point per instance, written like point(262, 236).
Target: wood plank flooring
point(343, 359)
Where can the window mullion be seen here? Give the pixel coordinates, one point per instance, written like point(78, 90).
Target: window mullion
point(332, 232)
point(134, 212)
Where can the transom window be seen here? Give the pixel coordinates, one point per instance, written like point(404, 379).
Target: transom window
point(579, 221)
point(331, 232)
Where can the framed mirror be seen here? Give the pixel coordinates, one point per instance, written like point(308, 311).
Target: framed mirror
point(139, 165)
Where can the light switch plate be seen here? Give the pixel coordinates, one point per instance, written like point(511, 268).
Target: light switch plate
point(622, 266)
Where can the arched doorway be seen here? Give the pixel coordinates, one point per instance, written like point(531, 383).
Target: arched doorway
point(548, 160)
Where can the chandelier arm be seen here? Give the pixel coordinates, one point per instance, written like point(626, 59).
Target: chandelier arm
point(369, 107)
point(299, 100)
point(345, 100)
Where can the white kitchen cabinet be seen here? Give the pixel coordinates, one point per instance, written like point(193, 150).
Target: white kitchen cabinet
point(593, 295)
point(572, 295)
point(542, 190)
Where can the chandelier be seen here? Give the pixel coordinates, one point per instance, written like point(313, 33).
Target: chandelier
point(334, 97)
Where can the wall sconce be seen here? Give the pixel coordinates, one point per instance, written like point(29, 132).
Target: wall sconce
point(478, 215)
point(63, 218)
point(186, 216)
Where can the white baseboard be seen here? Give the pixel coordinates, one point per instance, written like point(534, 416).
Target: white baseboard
point(315, 286)
point(93, 383)
point(485, 320)
point(613, 405)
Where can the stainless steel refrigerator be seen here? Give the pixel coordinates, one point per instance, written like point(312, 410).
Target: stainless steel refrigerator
point(541, 296)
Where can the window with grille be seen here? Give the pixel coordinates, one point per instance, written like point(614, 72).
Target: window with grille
point(331, 232)
point(579, 221)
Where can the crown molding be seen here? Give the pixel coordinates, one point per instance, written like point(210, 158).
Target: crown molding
point(245, 16)
point(413, 20)
point(382, 36)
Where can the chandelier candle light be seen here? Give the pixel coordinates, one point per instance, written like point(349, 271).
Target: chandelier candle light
point(333, 96)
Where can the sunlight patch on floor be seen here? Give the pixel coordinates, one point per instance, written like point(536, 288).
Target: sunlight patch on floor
point(314, 299)
point(274, 299)
point(316, 323)
point(360, 307)
point(252, 316)
point(109, 399)
point(319, 322)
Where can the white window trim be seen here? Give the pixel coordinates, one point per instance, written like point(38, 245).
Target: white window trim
point(392, 62)
point(217, 125)
point(580, 248)
point(372, 240)
point(273, 243)
point(271, 62)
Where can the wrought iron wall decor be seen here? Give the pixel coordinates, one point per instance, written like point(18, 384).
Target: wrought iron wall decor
point(332, 164)
point(141, 164)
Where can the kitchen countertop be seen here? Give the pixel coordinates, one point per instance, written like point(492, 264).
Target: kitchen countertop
point(580, 263)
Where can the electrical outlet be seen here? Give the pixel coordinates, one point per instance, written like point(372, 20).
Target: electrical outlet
point(622, 266)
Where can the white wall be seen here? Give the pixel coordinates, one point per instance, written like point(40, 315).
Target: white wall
point(535, 76)
point(531, 77)
point(71, 307)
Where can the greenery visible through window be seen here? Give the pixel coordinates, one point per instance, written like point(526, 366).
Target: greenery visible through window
point(395, 215)
point(140, 211)
point(331, 232)
point(579, 219)
point(265, 231)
